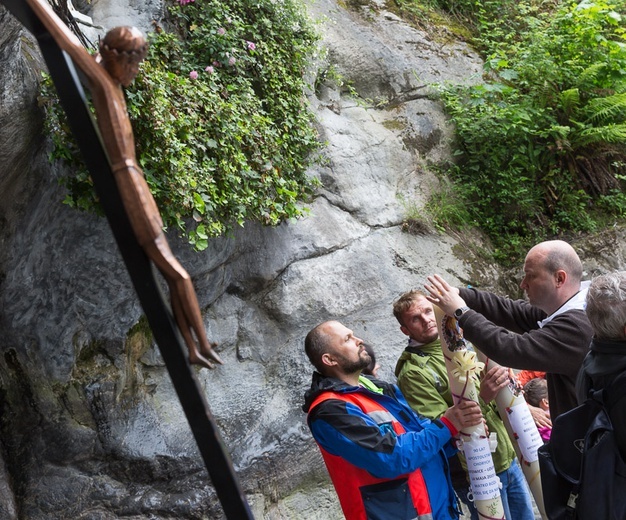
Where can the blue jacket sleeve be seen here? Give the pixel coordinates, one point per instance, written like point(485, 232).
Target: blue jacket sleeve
point(342, 429)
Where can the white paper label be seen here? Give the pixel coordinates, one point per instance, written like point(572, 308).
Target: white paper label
point(525, 431)
point(485, 483)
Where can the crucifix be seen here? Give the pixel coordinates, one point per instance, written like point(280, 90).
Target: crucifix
point(134, 217)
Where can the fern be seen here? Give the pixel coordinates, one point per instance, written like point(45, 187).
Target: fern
point(606, 109)
point(613, 133)
point(570, 100)
point(535, 157)
point(591, 74)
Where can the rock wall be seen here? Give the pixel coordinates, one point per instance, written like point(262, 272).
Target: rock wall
point(90, 426)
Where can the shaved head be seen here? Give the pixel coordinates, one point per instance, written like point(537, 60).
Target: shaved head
point(317, 343)
point(335, 351)
point(558, 254)
point(552, 275)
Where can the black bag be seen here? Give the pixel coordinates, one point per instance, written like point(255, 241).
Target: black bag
point(582, 473)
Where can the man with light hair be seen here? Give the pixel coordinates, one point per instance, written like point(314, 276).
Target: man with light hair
point(549, 332)
point(423, 379)
point(606, 309)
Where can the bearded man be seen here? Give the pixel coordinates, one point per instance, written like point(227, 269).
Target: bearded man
point(384, 460)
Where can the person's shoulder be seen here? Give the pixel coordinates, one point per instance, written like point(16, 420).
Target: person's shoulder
point(412, 368)
point(576, 313)
point(327, 404)
point(576, 317)
point(322, 388)
point(387, 387)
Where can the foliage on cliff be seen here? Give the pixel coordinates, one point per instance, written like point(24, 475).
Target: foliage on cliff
point(223, 131)
point(541, 143)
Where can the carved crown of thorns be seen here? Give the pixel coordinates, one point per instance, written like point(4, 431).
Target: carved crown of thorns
point(128, 42)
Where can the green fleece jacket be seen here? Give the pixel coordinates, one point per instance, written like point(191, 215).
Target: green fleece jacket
point(423, 379)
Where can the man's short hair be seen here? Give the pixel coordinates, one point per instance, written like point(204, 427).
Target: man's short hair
point(316, 344)
point(405, 302)
point(606, 306)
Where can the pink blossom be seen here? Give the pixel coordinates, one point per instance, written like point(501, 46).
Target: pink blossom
point(221, 31)
point(216, 63)
point(193, 74)
point(185, 2)
point(210, 69)
point(231, 60)
point(251, 46)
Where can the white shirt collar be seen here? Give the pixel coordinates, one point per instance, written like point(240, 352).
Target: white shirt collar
point(578, 301)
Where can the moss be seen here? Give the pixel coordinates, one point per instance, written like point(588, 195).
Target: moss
point(356, 5)
point(140, 334)
point(416, 227)
point(442, 27)
point(394, 124)
point(138, 342)
point(93, 363)
point(89, 351)
point(113, 361)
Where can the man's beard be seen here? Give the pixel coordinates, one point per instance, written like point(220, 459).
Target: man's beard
point(351, 367)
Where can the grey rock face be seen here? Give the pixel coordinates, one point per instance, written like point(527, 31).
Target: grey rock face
point(91, 427)
point(20, 120)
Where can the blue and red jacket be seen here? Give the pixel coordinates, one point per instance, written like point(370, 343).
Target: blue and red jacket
point(385, 461)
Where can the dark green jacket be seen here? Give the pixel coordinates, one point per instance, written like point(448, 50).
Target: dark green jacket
point(423, 379)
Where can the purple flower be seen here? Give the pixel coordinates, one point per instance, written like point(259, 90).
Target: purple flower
point(210, 69)
point(185, 2)
point(216, 63)
point(193, 74)
point(251, 46)
point(221, 31)
point(231, 60)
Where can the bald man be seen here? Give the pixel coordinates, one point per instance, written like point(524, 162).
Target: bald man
point(550, 332)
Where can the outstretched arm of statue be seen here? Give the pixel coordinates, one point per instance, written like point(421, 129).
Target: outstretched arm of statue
point(147, 225)
point(184, 303)
point(66, 39)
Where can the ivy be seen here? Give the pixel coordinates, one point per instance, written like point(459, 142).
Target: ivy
point(223, 132)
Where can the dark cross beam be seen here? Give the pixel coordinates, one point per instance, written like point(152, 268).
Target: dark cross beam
point(155, 305)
